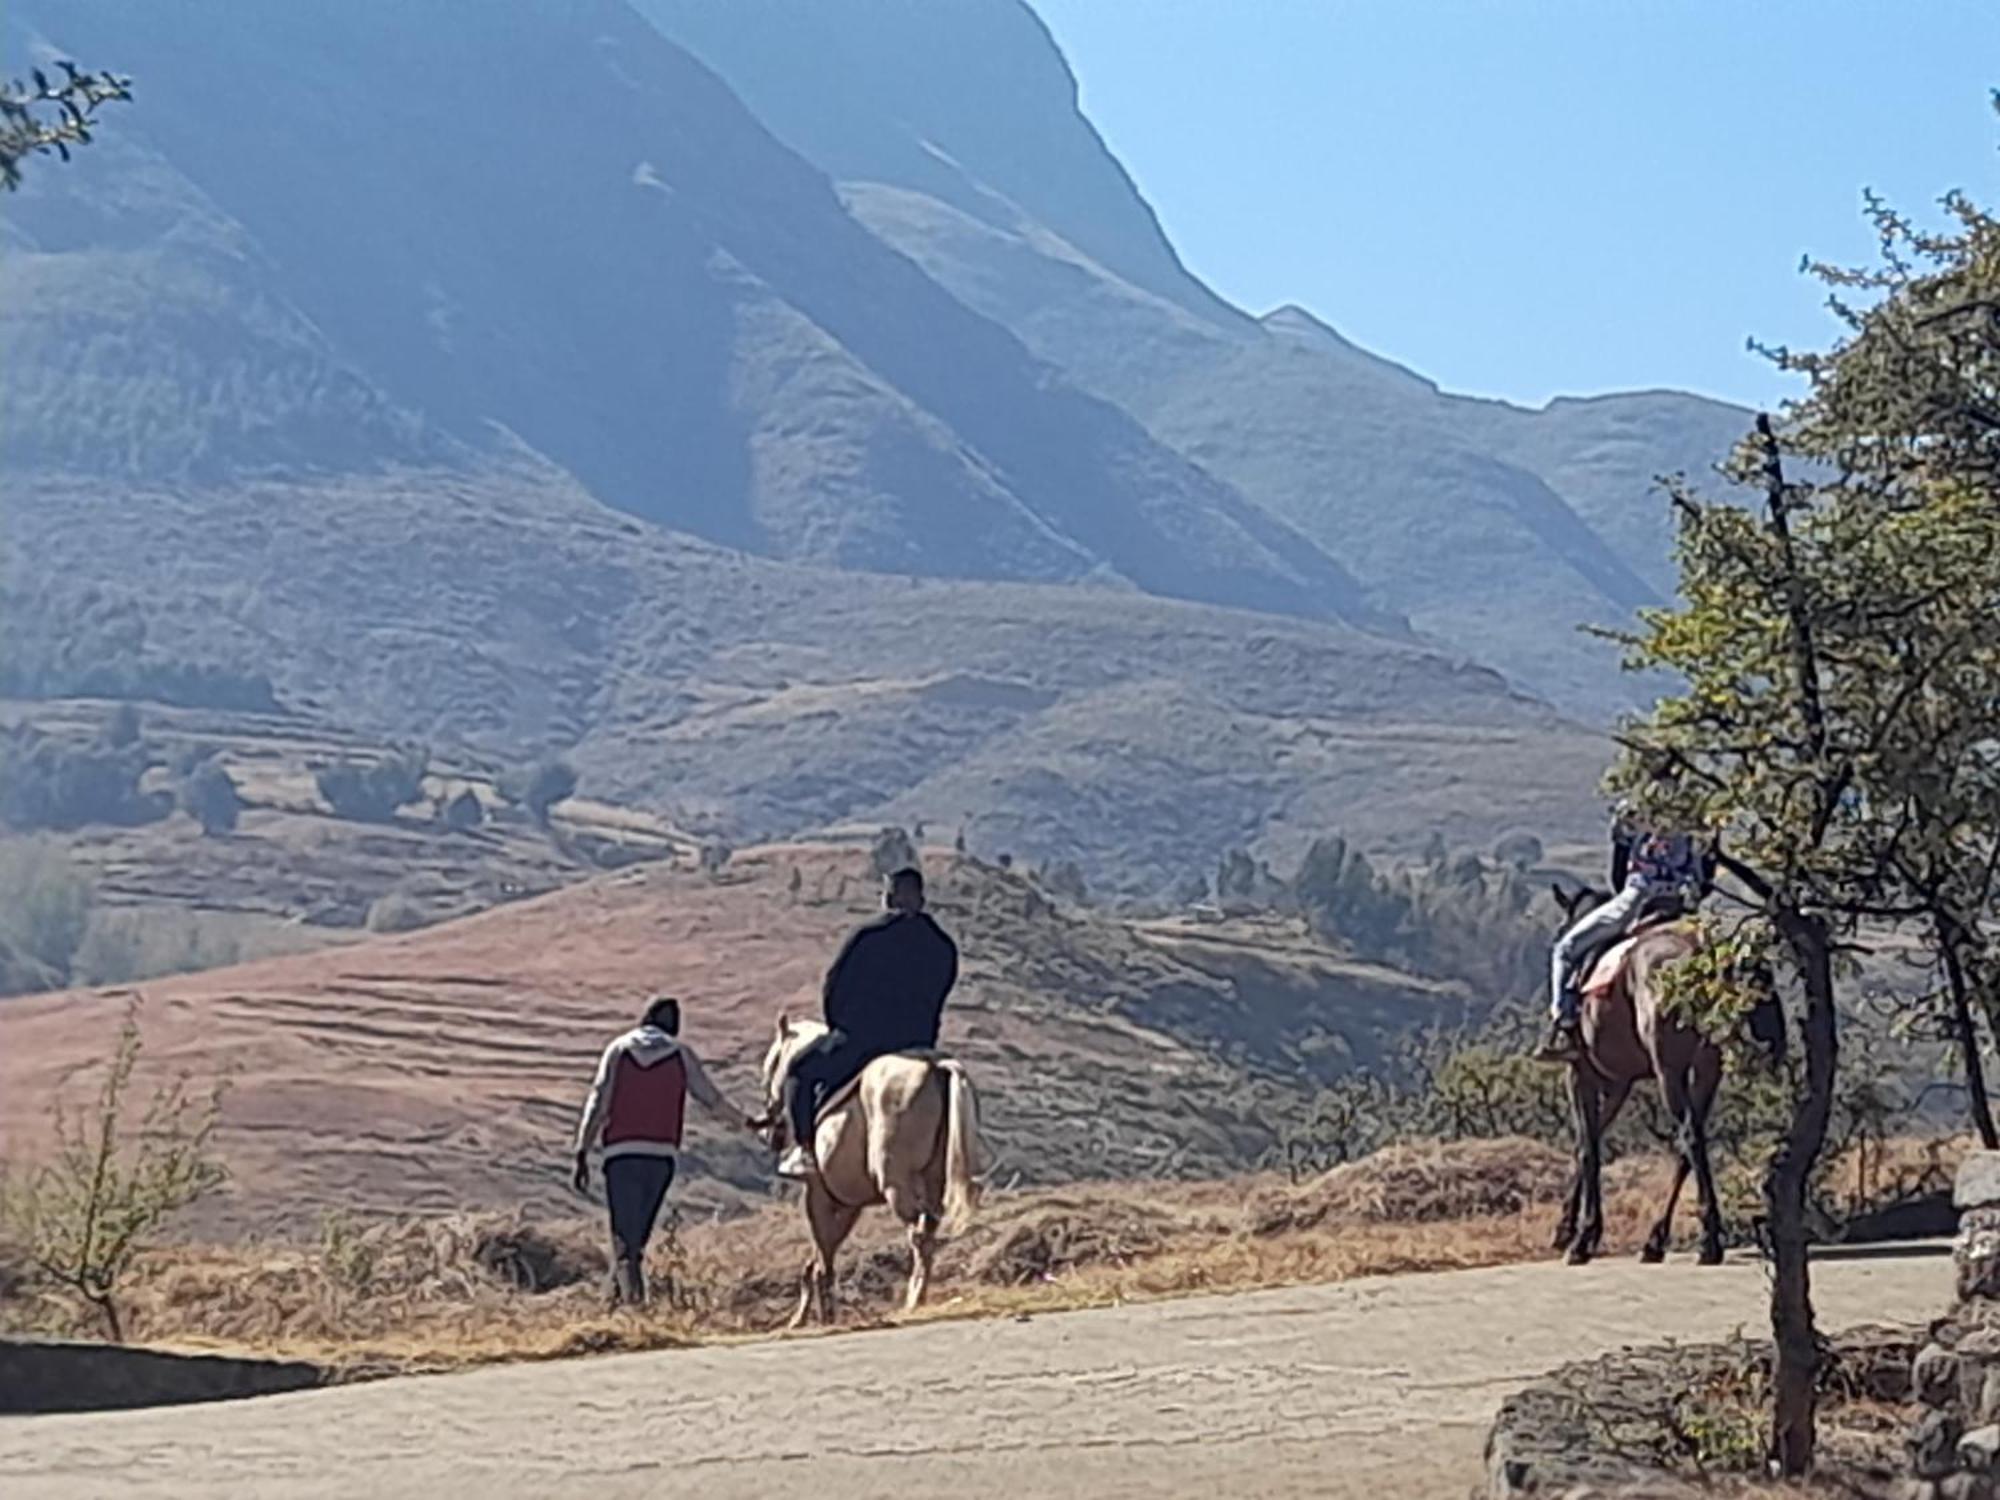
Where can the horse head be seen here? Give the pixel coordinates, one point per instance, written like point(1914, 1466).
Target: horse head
point(1574, 904)
point(786, 1040)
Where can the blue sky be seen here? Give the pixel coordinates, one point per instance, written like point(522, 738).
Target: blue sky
point(1525, 198)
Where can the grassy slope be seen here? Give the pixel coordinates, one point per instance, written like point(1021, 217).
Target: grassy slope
point(443, 1068)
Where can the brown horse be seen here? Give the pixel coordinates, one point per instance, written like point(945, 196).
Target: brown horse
point(1629, 1035)
point(906, 1133)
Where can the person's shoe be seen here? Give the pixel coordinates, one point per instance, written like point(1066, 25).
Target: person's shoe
point(798, 1164)
point(1564, 1044)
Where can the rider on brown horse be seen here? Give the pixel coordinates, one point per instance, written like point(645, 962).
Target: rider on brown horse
point(1649, 870)
point(885, 993)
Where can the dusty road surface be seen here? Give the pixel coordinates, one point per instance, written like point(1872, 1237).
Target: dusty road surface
point(1378, 1388)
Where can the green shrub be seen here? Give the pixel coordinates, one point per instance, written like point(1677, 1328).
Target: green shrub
point(46, 782)
point(45, 903)
point(208, 795)
point(537, 786)
point(85, 1216)
point(372, 791)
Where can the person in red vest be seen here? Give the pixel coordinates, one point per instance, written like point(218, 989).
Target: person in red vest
point(636, 1108)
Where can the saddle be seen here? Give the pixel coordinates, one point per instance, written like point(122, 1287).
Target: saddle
point(1608, 967)
point(839, 1098)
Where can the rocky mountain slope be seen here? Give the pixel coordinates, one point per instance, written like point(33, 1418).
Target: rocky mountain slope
point(423, 406)
point(956, 136)
point(421, 257)
point(745, 698)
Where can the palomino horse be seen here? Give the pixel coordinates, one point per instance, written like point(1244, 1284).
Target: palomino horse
point(1629, 1035)
point(906, 1133)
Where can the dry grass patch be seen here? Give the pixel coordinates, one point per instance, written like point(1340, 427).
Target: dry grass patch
point(463, 1289)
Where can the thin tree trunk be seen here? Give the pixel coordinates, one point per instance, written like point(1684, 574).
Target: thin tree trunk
point(1967, 1032)
point(1786, 1187)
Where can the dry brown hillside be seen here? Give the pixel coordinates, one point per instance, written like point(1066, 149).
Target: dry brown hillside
point(441, 1069)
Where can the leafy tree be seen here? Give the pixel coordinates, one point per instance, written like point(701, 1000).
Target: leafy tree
point(537, 786)
point(44, 116)
point(46, 782)
point(464, 812)
point(123, 727)
point(1520, 849)
point(87, 1215)
point(1839, 652)
point(45, 904)
point(208, 795)
point(892, 850)
point(371, 792)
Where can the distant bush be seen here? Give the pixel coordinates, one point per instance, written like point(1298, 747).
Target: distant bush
point(464, 812)
point(1066, 880)
point(396, 912)
point(1520, 849)
point(126, 946)
point(370, 792)
point(70, 642)
point(892, 850)
point(47, 782)
point(1449, 919)
point(123, 727)
point(208, 795)
point(537, 786)
point(45, 903)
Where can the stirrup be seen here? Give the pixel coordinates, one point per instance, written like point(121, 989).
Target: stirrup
point(797, 1165)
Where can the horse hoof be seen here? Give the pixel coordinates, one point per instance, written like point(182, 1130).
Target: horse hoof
point(1652, 1255)
point(1710, 1256)
point(1578, 1256)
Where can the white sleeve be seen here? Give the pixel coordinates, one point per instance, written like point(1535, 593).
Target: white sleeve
point(703, 1089)
point(598, 1105)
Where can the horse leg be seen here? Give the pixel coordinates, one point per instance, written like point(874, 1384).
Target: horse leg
point(1674, 1093)
point(831, 1222)
point(1572, 1202)
point(1707, 1078)
point(1586, 1097)
point(923, 1246)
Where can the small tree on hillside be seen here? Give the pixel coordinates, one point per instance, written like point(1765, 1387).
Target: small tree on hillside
point(1520, 849)
point(89, 1213)
point(892, 850)
point(464, 812)
point(123, 727)
point(537, 786)
point(371, 792)
point(45, 903)
point(208, 795)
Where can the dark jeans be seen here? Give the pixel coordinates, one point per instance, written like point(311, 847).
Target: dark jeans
point(634, 1189)
point(822, 1067)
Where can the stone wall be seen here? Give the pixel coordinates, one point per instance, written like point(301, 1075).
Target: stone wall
point(50, 1375)
point(1955, 1446)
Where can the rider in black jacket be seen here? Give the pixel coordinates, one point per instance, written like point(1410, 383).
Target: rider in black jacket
point(884, 993)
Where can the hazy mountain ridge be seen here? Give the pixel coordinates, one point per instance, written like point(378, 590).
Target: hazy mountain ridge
point(652, 293)
point(1497, 529)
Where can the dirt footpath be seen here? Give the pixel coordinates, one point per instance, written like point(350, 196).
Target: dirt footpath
point(1372, 1388)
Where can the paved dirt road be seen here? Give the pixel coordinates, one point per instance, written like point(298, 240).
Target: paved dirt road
point(1377, 1388)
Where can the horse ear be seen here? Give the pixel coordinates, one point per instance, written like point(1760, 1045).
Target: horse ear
point(1555, 889)
point(784, 1025)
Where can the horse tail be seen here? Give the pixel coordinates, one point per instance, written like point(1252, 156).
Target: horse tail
point(961, 1147)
